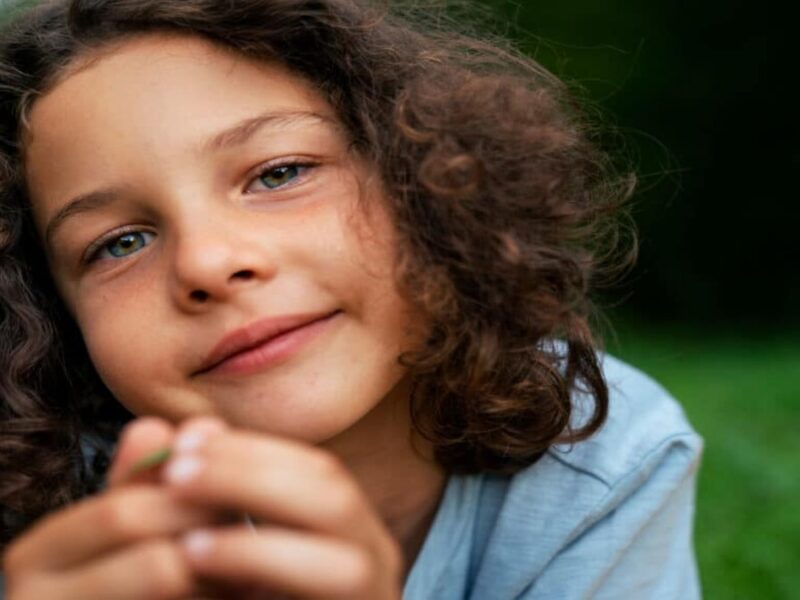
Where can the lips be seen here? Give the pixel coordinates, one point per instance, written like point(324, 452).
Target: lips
point(256, 335)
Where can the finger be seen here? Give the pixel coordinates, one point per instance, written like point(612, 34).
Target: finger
point(155, 569)
point(103, 524)
point(141, 437)
point(286, 561)
point(147, 444)
point(218, 590)
point(276, 480)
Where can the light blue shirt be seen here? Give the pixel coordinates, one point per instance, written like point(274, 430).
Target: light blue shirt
point(609, 518)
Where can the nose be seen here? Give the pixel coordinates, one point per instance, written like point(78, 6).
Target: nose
point(214, 260)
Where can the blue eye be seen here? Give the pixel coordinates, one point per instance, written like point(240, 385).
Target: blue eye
point(276, 177)
point(124, 245)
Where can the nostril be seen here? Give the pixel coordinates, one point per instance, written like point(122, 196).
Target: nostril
point(243, 275)
point(199, 296)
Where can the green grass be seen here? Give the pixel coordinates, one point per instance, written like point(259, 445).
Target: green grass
point(742, 393)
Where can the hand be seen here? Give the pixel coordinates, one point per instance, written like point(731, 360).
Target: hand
point(118, 545)
point(317, 534)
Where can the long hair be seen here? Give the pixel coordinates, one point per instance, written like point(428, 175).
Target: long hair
point(505, 209)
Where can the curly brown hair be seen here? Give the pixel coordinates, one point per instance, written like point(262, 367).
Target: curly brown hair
point(505, 208)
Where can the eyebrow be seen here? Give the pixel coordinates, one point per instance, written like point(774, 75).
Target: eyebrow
point(81, 204)
point(244, 130)
point(236, 135)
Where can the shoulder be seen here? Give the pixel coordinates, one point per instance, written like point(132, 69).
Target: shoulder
point(645, 454)
point(608, 517)
point(644, 424)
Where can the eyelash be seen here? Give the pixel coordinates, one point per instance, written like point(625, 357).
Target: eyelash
point(95, 248)
point(303, 165)
point(92, 253)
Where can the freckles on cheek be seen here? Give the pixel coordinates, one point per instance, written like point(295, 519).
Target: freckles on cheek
point(132, 365)
point(117, 334)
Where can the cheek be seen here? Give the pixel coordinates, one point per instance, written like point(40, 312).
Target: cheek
point(364, 254)
point(118, 330)
point(374, 294)
point(140, 368)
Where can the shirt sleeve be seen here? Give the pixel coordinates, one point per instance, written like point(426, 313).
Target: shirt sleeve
point(640, 546)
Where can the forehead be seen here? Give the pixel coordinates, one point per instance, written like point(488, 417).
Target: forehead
point(164, 81)
point(146, 75)
point(163, 50)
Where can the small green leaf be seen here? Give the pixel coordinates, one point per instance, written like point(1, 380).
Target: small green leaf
point(154, 459)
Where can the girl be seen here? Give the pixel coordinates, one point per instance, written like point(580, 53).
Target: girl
point(338, 267)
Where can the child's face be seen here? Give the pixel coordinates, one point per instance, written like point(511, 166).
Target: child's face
point(210, 243)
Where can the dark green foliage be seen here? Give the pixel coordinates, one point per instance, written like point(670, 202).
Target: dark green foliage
point(703, 92)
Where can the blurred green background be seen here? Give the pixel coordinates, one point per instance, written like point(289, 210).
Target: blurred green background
point(703, 96)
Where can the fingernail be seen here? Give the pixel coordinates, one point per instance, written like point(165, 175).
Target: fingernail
point(197, 433)
point(190, 440)
point(182, 469)
point(198, 543)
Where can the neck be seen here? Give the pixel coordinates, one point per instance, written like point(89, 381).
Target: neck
point(397, 472)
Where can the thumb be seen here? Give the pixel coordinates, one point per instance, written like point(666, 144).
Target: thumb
point(140, 439)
